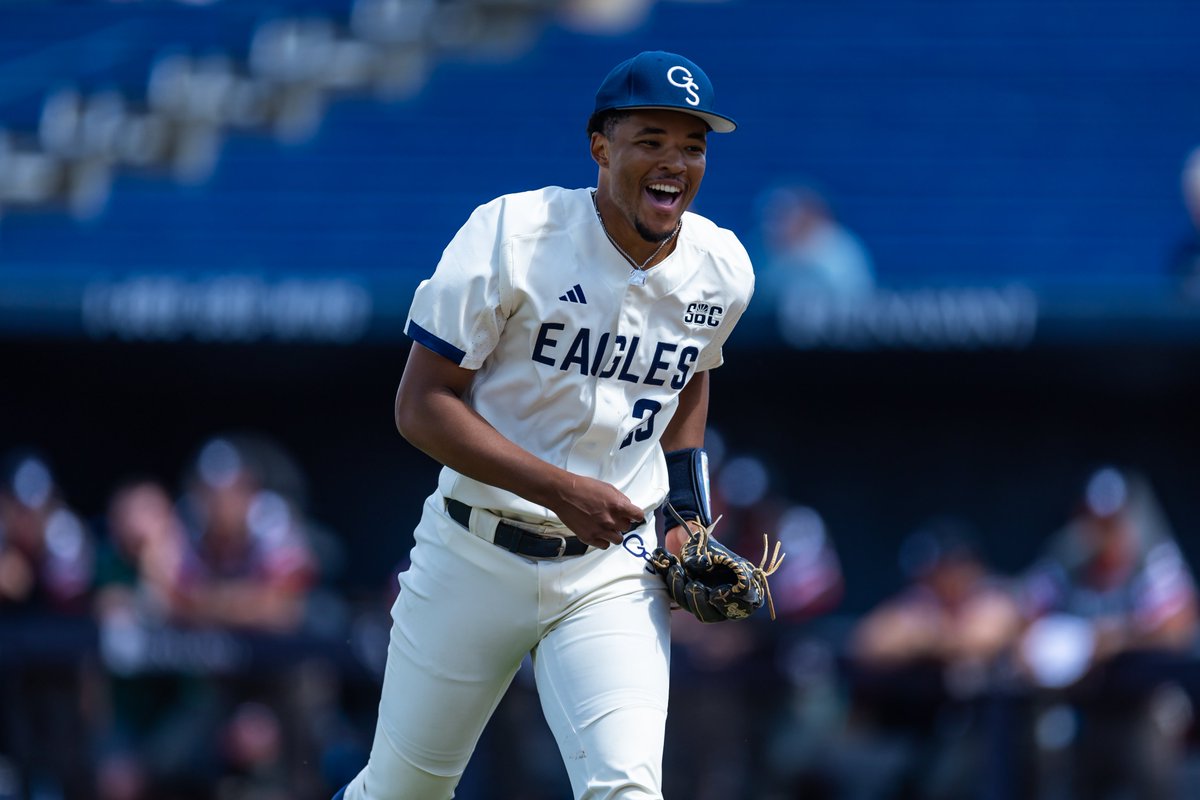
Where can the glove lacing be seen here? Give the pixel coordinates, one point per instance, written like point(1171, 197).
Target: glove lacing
point(766, 567)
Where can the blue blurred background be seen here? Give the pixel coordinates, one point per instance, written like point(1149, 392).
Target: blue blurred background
point(967, 144)
point(976, 228)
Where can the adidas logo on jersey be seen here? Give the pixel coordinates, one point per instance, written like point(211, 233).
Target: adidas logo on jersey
point(574, 295)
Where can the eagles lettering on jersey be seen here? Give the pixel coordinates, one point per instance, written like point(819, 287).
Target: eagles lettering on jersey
point(670, 362)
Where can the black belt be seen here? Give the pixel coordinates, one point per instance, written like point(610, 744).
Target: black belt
point(518, 540)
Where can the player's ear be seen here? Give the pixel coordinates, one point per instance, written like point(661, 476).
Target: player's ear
point(599, 148)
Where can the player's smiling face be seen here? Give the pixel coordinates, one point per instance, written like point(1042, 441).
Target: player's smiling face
point(650, 170)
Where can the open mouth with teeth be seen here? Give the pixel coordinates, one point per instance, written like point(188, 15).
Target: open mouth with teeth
point(663, 196)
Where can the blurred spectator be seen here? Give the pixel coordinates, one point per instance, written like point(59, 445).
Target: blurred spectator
point(732, 672)
point(155, 731)
point(1113, 585)
point(46, 563)
point(253, 570)
point(1185, 261)
point(955, 613)
point(810, 703)
point(140, 562)
point(46, 553)
point(924, 663)
point(188, 588)
point(253, 566)
point(809, 255)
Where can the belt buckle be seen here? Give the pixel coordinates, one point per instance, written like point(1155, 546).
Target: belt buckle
point(562, 544)
point(543, 530)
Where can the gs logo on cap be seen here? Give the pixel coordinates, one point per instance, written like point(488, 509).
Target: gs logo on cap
point(703, 315)
point(680, 76)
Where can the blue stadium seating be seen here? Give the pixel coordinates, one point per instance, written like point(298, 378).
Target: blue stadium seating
point(967, 143)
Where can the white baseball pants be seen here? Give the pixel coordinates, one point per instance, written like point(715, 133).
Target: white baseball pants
point(467, 614)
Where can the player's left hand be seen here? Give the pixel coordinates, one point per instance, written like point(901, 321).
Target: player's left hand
point(713, 582)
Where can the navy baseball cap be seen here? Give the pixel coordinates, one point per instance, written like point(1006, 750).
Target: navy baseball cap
point(655, 79)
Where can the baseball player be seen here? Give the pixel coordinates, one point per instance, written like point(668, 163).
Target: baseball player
point(560, 372)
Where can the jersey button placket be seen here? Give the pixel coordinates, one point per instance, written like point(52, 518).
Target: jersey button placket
point(632, 322)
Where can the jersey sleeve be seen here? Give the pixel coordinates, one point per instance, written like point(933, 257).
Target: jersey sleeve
point(457, 313)
point(741, 276)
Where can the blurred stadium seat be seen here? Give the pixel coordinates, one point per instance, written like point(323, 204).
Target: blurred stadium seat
point(987, 145)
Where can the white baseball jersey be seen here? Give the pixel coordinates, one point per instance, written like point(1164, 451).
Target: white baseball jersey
point(577, 362)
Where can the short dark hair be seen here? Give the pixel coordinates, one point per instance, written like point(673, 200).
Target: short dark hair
point(604, 122)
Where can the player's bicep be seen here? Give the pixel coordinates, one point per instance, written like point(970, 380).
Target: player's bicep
point(428, 376)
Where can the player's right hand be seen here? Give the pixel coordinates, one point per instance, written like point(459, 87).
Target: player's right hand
point(595, 511)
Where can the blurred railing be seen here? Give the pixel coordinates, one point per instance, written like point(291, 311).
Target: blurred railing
point(1021, 729)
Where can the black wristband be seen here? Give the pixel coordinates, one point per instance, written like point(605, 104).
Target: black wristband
point(687, 476)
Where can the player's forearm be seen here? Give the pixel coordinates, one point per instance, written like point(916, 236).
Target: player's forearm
point(431, 414)
point(442, 426)
point(686, 428)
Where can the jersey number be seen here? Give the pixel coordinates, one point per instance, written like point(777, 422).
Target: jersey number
point(642, 409)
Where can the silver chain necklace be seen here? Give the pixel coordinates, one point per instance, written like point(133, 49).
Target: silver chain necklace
point(637, 273)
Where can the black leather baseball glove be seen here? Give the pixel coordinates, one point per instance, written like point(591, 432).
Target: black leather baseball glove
point(713, 582)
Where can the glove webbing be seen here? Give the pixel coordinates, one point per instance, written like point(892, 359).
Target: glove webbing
point(762, 571)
